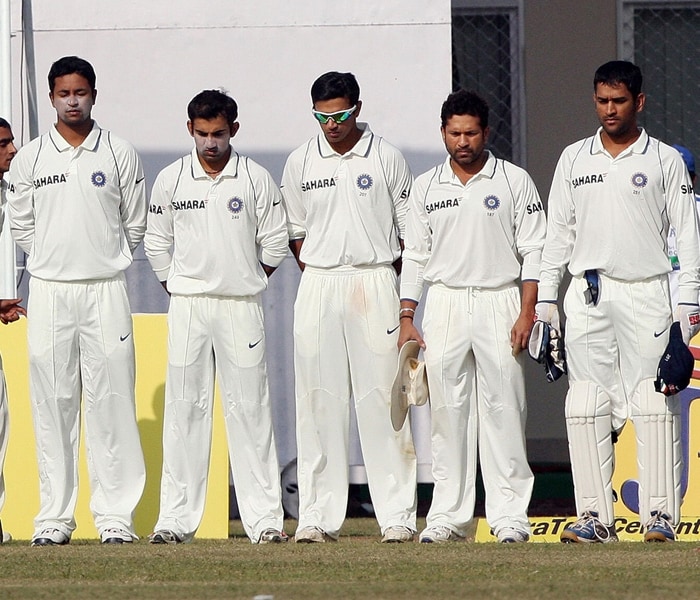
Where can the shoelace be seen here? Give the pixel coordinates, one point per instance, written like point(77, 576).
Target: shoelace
point(589, 520)
point(660, 520)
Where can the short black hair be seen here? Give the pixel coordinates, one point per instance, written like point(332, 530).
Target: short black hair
point(69, 65)
point(210, 104)
point(463, 102)
point(335, 85)
point(618, 72)
point(4, 124)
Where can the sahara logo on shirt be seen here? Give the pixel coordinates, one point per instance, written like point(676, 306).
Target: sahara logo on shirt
point(365, 181)
point(317, 184)
point(586, 179)
point(99, 179)
point(49, 180)
point(235, 205)
point(492, 202)
point(449, 203)
point(189, 204)
point(639, 180)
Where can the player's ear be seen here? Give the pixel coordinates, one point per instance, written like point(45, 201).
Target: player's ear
point(235, 126)
point(359, 108)
point(190, 128)
point(640, 101)
point(94, 96)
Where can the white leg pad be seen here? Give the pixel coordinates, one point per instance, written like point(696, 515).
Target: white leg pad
point(659, 459)
point(589, 427)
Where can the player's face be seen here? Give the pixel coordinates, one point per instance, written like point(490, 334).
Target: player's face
point(342, 134)
point(617, 109)
point(212, 138)
point(7, 150)
point(73, 99)
point(465, 139)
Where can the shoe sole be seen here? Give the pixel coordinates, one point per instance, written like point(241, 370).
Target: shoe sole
point(114, 540)
point(653, 536)
point(47, 542)
point(572, 538)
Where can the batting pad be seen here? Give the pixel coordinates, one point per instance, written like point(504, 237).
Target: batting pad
point(589, 426)
point(659, 463)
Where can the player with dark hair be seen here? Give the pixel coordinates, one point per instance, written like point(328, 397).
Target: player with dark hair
point(208, 208)
point(474, 227)
point(10, 310)
point(613, 198)
point(346, 193)
point(78, 210)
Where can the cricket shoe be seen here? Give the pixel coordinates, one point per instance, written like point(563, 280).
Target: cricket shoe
point(312, 535)
point(438, 534)
point(397, 535)
point(50, 536)
point(659, 528)
point(272, 536)
point(589, 529)
point(116, 535)
point(510, 535)
point(164, 536)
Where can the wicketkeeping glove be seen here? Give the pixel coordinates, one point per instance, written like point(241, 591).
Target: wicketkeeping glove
point(688, 315)
point(546, 343)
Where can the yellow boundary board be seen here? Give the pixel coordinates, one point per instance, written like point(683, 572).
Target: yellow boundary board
point(21, 473)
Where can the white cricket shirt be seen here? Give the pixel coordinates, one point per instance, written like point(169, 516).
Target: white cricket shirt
point(209, 236)
point(349, 208)
point(472, 235)
point(613, 214)
point(80, 212)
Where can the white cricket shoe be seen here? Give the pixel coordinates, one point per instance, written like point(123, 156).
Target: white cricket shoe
point(164, 536)
point(510, 535)
point(438, 534)
point(116, 535)
point(50, 536)
point(312, 535)
point(272, 536)
point(397, 535)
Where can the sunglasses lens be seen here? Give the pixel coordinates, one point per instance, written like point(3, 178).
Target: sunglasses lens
point(323, 119)
point(338, 117)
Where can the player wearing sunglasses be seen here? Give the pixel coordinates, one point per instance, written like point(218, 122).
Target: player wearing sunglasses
point(346, 193)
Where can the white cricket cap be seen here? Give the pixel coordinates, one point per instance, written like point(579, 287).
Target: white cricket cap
point(410, 385)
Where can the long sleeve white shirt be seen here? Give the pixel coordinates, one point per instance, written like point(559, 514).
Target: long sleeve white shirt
point(486, 233)
point(80, 212)
point(349, 209)
point(209, 236)
point(613, 215)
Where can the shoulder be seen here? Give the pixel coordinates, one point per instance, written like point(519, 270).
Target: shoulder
point(302, 151)
point(387, 150)
point(256, 170)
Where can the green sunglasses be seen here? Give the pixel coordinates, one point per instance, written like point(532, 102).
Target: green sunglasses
point(339, 117)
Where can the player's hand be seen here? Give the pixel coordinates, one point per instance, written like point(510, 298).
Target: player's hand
point(520, 332)
point(408, 331)
point(688, 315)
point(10, 310)
point(548, 312)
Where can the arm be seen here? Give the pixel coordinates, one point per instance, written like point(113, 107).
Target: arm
point(520, 333)
point(295, 247)
point(134, 206)
point(20, 201)
point(294, 206)
point(159, 237)
point(271, 234)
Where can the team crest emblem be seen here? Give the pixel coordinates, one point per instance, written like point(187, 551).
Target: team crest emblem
point(235, 205)
point(639, 180)
point(492, 202)
point(365, 181)
point(99, 179)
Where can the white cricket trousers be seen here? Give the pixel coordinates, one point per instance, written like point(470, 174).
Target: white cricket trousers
point(345, 335)
point(80, 338)
point(613, 352)
point(477, 392)
point(222, 336)
point(4, 431)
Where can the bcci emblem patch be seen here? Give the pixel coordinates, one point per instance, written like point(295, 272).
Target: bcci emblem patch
point(364, 182)
point(491, 202)
point(98, 179)
point(235, 205)
point(639, 180)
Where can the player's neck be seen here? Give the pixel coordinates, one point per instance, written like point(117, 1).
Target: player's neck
point(618, 143)
point(465, 172)
point(213, 168)
point(74, 134)
point(348, 143)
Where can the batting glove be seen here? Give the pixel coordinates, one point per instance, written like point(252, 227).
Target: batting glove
point(688, 315)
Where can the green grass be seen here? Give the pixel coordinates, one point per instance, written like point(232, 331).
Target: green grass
point(357, 567)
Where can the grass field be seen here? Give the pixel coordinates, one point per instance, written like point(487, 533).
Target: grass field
point(357, 567)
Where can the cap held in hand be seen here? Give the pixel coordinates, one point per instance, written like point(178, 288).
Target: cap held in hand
point(676, 365)
point(410, 384)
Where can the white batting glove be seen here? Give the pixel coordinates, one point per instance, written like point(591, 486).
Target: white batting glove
point(688, 315)
point(548, 312)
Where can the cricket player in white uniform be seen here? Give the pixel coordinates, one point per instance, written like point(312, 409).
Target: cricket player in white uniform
point(346, 193)
point(612, 200)
point(10, 310)
point(78, 210)
point(216, 231)
point(474, 227)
